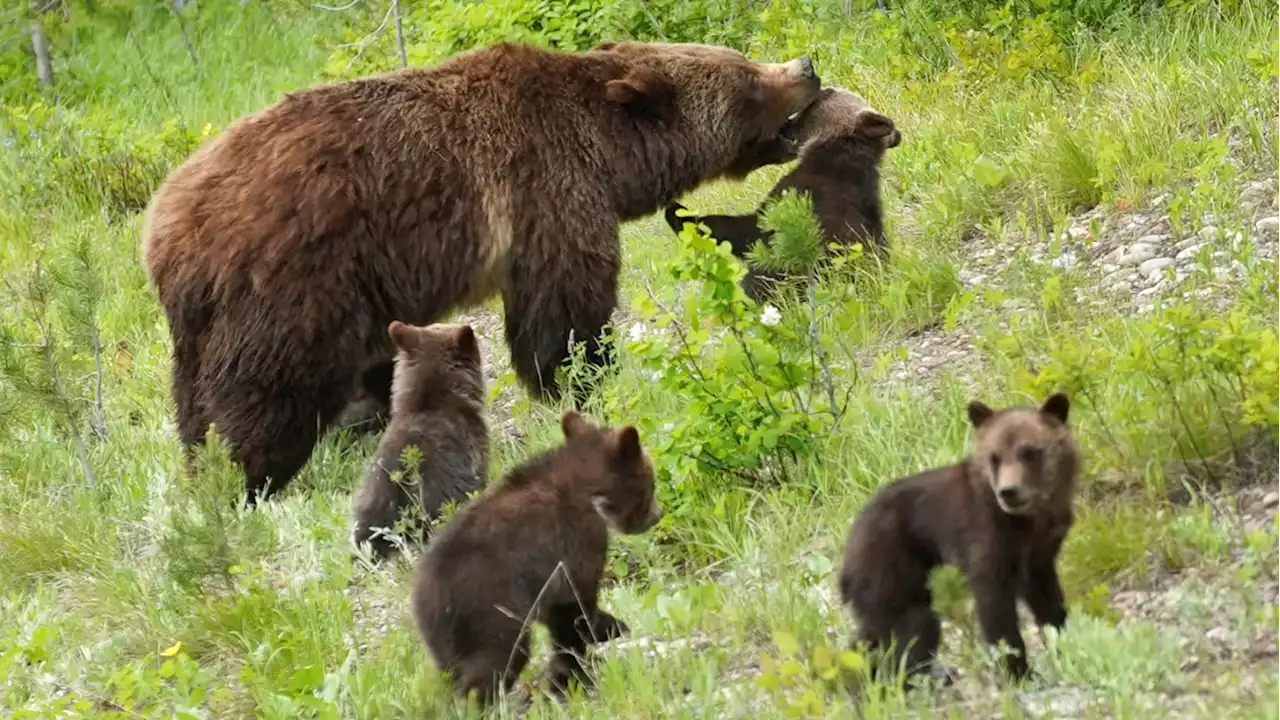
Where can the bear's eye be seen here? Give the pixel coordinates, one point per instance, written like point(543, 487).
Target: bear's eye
point(995, 464)
point(1030, 455)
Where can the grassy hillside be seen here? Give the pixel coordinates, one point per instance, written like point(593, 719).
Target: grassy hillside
point(1055, 155)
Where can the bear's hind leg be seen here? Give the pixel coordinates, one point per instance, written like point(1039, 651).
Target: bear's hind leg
point(546, 301)
point(272, 431)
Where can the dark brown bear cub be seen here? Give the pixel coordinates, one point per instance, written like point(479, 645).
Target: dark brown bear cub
point(534, 547)
point(1000, 516)
point(842, 141)
point(437, 406)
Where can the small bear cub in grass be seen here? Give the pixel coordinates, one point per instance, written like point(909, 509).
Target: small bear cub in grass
point(534, 546)
point(437, 406)
point(1000, 516)
point(841, 141)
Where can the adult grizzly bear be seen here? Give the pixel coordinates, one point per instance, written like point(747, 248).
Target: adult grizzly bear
point(437, 406)
point(282, 249)
point(842, 140)
point(1000, 515)
point(534, 547)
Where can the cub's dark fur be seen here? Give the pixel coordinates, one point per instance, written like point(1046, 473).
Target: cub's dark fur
point(437, 406)
point(1000, 516)
point(842, 140)
point(533, 546)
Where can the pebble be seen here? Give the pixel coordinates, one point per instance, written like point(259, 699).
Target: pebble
point(1268, 227)
point(1208, 233)
point(1271, 499)
point(1188, 242)
point(1137, 253)
point(1156, 239)
point(1150, 267)
point(1066, 260)
point(1189, 252)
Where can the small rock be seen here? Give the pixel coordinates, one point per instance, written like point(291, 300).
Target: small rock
point(1268, 227)
point(1150, 291)
point(1078, 233)
point(1150, 267)
point(1137, 253)
point(1218, 634)
point(1208, 233)
point(1066, 260)
point(1258, 193)
point(1189, 252)
point(1188, 242)
point(1155, 239)
point(1271, 499)
point(1160, 200)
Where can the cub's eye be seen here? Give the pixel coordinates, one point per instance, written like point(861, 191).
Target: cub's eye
point(1030, 455)
point(995, 463)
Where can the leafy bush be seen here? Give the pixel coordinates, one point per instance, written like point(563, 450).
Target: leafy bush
point(91, 161)
point(751, 376)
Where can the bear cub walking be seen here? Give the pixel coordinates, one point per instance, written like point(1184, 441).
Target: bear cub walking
point(534, 546)
point(842, 141)
point(1000, 516)
point(437, 406)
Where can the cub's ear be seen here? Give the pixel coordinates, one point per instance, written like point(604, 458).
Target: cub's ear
point(464, 339)
point(872, 124)
point(626, 444)
point(1057, 405)
point(644, 92)
point(676, 220)
point(979, 413)
point(406, 337)
point(573, 424)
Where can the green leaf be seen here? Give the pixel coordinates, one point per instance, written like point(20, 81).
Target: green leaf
point(786, 643)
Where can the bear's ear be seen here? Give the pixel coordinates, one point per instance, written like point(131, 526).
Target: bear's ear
point(979, 413)
point(644, 92)
point(573, 424)
point(626, 444)
point(872, 124)
point(406, 337)
point(1057, 405)
point(464, 339)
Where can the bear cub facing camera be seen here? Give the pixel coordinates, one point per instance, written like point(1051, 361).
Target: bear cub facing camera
point(437, 406)
point(534, 547)
point(1000, 516)
point(842, 141)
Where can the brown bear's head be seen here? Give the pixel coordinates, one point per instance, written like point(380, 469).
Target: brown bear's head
point(623, 491)
point(841, 114)
point(1027, 456)
point(432, 362)
point(725, 103)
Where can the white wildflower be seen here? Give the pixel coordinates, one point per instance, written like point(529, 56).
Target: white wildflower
point(771, 316)
point(636, 333)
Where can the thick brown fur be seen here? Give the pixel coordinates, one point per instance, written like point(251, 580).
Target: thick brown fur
point(1000, 516)
point(437, 406)
point(842, 140)
point(282, 249)
point(533, 546)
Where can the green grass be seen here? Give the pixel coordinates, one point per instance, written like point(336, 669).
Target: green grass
point(100, 582)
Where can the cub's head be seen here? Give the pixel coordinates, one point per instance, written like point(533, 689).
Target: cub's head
point(433, 362)
point(715, 99)
point(624, 495)
point(1028, 456)
point(844, 115)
